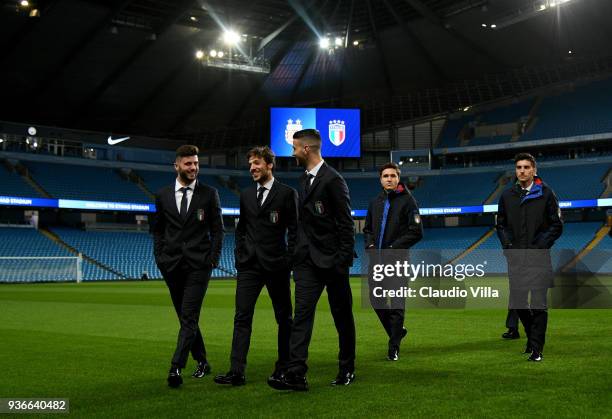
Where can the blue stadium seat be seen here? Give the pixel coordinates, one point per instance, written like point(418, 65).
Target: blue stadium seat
point(12, 184)
point(583, 111)
point(29, 242)
point(71, 181)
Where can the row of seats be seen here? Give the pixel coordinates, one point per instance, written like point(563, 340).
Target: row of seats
point(85, 182)
point(104, 184)
point(130, 253)
point(14, 185)
point(30, 243)
point(583, 111)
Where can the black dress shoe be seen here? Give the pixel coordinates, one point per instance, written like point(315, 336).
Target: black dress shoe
point(202, 370)
point(512, 333)
point(276, 376)
point(231, 378)
point(343, 379)
point(290, 382)
point(174, 377)
point(393, 354)
point(535, 356)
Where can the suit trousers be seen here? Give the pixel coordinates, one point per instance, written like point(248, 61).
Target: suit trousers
point(533, 314)
point(249, 283)
point(310, 281)
point(390, 311)
point(512, 319)
point(187, 289)
point(392, 320)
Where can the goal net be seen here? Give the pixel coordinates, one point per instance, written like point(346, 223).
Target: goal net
point(41, 268)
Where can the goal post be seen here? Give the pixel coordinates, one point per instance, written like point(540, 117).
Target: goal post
point(14, 269)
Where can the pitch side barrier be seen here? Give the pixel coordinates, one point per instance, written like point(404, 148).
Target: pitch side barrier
point(142, 207)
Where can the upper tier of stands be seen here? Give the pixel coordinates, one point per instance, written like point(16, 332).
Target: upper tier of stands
point(584, 110)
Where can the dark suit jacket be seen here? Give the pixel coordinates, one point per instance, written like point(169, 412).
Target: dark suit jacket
point(403, 228)
point(527, 228)
point(197, 239)
point(267, 235)
point(530, 223)
point(326, 229)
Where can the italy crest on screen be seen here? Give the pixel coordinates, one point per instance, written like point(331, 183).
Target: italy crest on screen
point(292, 128)
point(337, 132)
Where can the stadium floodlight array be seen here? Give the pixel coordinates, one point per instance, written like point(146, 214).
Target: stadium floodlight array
point(41, 268)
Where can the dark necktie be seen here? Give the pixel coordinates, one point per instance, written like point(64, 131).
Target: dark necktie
point(183, 212)
point(308, 181)
point(260, 193)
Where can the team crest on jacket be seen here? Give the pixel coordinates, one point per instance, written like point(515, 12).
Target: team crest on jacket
point(319, 208)
point(337, 132)
point(200, 214)
point(292, 128)
point(274, 217)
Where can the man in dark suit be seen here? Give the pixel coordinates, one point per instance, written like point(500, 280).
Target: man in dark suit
point(528, 224)
point(265, 243)
point(392, 222)
point(324, 254)
point(188, 234)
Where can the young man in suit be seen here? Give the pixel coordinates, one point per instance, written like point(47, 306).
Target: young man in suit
point(528, 224)
point(392, 222)
point(324, 253)
point(265, 243)
point(187, 233)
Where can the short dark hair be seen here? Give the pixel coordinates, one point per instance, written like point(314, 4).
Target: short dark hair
point(389, 165)
point(187, 150)
point(309, 133)
point(525, 156)
point(263, 152)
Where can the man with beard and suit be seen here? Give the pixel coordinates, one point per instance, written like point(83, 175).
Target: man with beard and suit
point(392, 222)
point(187, 233)
point(265, 243)
point(528, 224)
point(324, 254)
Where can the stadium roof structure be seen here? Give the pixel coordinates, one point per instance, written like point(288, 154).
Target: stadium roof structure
point(129, 66)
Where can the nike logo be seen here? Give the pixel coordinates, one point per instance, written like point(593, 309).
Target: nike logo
point(116, 140)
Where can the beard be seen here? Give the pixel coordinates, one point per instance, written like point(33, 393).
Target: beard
point(184, 176)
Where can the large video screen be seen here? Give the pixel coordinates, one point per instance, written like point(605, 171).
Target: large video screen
point(340, 130)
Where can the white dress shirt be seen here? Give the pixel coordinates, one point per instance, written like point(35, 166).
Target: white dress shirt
point(314, 171)
point(178, 194)
point(268, 186)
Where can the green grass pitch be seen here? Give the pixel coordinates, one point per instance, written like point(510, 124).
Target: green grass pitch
point(107, 346)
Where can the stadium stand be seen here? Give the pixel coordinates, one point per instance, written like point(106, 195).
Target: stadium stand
point(576, 182)
point(14, 185)
point(450, 134)
point(131, 253)
point(575, 237)
point(29, 242)
point(583, 111)
point(85, 182)
point(455, 189)
point(449, 241)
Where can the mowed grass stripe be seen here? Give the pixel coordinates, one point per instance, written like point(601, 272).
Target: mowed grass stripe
point(110, 358)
